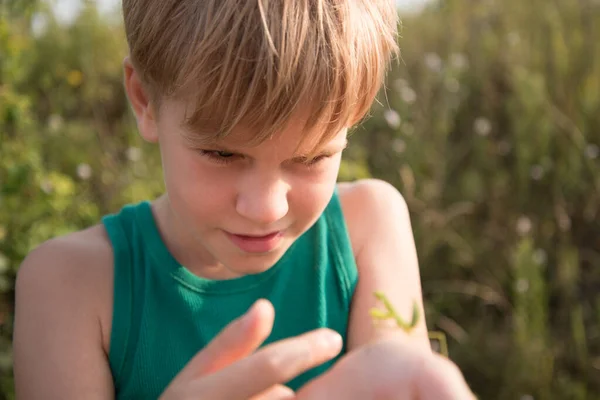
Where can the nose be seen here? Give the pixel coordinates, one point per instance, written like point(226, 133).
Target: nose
point(263, 201)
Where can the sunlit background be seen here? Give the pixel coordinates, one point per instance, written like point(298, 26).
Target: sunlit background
point(67, 9)
point(489, 126)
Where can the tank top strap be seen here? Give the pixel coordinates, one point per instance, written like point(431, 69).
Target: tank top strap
point(125, 235)
point(341, 247)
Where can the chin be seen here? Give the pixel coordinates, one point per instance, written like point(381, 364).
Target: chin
point(251, 264)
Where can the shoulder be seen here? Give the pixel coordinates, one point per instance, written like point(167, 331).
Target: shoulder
point(369, 206)
point(62, 301)
point(73, 260)
point(75, 269)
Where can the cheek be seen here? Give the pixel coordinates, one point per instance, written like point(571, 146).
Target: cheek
point(309, 198)
point(194, 186)
point(180, 173)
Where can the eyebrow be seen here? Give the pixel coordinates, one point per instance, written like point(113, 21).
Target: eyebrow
point(327, 150)
point(334, 148)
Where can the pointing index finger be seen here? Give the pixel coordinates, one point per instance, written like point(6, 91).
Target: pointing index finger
point(274, 364)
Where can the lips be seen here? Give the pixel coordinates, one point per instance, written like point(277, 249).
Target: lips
point(257, 236)
point(256, 243)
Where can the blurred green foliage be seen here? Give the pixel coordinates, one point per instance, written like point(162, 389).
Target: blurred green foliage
point(490, 127)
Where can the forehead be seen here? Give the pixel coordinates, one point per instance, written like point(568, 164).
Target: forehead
point(293, 138)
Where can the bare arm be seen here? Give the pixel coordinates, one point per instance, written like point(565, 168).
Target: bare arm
point(380, 229)
point(384, 362)
point(58, 352)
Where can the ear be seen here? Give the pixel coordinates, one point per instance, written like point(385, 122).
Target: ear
point(142, 106)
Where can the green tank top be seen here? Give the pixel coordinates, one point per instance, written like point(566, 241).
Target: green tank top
point(163, 314)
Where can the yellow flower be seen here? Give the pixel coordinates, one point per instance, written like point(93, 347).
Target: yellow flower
point(74, 78)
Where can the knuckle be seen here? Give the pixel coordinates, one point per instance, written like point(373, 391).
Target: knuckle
point(274, 365)
point(281, 363)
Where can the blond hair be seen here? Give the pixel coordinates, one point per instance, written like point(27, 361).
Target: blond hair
point(260, 62)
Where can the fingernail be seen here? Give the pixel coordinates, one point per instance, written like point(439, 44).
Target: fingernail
point(247, 318)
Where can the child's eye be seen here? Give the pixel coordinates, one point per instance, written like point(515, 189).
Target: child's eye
point(222, 157)
point(315, 160)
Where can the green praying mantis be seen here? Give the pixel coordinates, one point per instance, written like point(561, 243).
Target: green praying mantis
point(390, 313)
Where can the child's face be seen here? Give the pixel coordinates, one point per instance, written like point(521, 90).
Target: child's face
point(220, 194)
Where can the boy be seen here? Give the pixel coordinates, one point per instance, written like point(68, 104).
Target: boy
point(250, 103)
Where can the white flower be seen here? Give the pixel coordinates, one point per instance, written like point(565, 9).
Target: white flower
point(433, 62)
point(84, 171)
point(400, 84)
point(537, 172)
point(55, 122)
point(459, 61)
point(134, 154)
point(522, 285)
point(408, 129)
point(392, 118)
point(46, 186)
point(39, 25)
point(399, 145)
point(408, 95)
point(564, 222)
point(523, 225)
point(482, 126)
point(591, 151)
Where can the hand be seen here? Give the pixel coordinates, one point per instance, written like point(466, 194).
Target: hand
point(229, 368)
point(392, 369)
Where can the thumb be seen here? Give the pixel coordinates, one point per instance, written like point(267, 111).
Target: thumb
point(237, 340)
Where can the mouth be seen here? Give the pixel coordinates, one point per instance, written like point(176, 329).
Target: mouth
point(256, 235)
point(256, 243)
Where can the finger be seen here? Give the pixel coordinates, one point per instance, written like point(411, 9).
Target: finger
point(237, 340)
point(274, 364)
point(277, 392)
point(381, 370)
point(442, 380)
